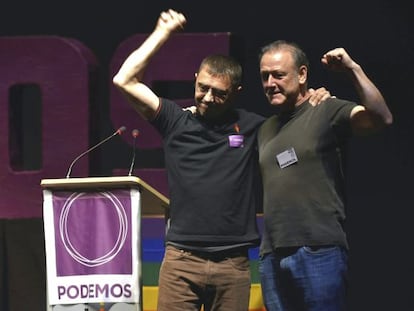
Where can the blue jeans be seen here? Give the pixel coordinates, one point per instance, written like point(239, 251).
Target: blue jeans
point(304, 279)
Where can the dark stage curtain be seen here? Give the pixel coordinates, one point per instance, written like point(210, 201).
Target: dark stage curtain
point(22, 265)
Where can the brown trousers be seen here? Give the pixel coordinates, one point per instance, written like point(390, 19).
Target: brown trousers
point(189, 281)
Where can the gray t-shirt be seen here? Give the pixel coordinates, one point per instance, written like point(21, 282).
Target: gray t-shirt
point(301, 159)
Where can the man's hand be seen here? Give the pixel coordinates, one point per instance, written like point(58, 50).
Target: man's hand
point(338, 60)
point(318, 96)
point(171, 21)
point(192, 109)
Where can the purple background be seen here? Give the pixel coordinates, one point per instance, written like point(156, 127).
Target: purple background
point(92, 227)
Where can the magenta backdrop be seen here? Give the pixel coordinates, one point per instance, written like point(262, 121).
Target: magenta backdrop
point(65, 71)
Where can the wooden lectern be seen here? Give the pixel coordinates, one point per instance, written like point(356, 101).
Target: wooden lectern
point(74, 210)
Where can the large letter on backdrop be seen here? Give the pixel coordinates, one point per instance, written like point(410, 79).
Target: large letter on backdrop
point(45, 86)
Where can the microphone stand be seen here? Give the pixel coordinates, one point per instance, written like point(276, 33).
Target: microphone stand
point(118, 132)
point(135, 134)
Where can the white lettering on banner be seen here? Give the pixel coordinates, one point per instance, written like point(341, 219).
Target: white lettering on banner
point(95, 291)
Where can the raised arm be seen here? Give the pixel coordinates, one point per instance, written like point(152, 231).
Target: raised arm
point(372, 114)
point(129, 77)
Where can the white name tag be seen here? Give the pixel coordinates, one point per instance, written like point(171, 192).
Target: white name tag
point(287, 158)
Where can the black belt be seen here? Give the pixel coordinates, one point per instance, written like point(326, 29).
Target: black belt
point(220, 255)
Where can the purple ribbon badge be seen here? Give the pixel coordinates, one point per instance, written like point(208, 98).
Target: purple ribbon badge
point(236, 141)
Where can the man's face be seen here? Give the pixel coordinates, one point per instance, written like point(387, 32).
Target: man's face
point(212, 93)
point(281, 80)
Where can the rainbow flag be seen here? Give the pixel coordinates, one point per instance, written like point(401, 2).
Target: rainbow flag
point(152, 245)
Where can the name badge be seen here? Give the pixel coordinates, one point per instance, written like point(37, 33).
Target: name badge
point(236, 141)
point(287, 158)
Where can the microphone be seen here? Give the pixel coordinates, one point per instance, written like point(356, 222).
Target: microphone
point(117, 132)
point(135, 134)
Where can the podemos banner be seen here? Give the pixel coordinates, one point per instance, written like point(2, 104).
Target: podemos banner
point(92, 246)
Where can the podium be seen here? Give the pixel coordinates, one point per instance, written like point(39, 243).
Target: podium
point(93, 241)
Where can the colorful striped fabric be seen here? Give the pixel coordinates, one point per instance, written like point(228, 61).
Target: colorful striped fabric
point(152, 242)
point(150, 294)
